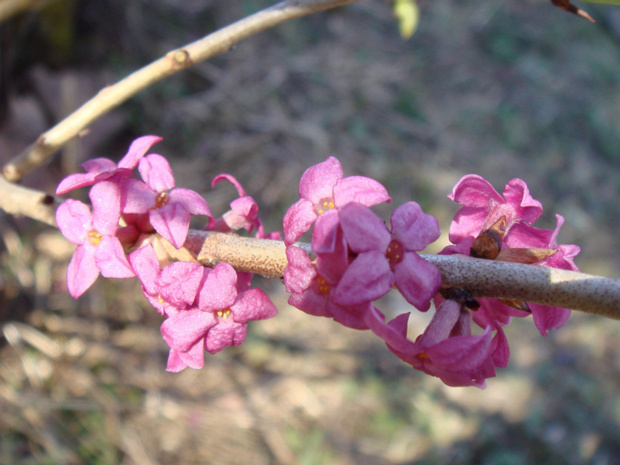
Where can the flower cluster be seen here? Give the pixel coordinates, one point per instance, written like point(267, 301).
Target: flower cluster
point(356, 258)
point(359, 259)
point(496, 227)
point(206, 309)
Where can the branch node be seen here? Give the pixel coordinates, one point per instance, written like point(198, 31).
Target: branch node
point(180, 59)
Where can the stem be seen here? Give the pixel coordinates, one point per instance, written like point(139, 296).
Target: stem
point(23, 201)
point(174, 61)
point(482, 278)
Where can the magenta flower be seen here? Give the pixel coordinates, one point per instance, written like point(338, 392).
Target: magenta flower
point(170, 289)
point(313, 287)
point(447, 349)
point(100, 169)
point(483, 206)
point(386, 258)
point(169, 212)
point(323, 190)
point(99, 250)
point(217, 319)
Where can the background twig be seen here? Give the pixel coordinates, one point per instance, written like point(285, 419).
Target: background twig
point(173, 62)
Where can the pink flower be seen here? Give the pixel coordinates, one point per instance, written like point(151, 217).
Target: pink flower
point(386, 258)
point(313, 287)
point(217, 319)
point(100, 169)
point(243, 213)
point(323, 190)
point(169, 212)
point(99, 250)
point(169, 290)
point(447, 349)
point(483, 206)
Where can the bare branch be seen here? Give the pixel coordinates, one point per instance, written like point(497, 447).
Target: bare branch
point(22, 201)
point(482, 278)
point(10, 8)
point(177, 60)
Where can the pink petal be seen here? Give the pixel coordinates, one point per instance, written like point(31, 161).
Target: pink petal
point(518, 196)
point(318, 181)
point(82, 271)
point(300, 272)
point(393, 333)
point(311, 303)
point(359, 189)
point(219, 290)
point(137, 150)
point(137, 197)
point(253, 304)
point(146, 266)
point(178, 283)
point(363, 230)
point(413, 228)
point(417, 280)
point(186, 328)
point(474, 191)
point(111, 260)
point(106, 200)
point(297, 220)
point(172, 222)
point(351, 316)
point(368, 278)
point(325, 232)
point(193, 202)
point(461, 353)
point(156, 173)
point(226, 334)
point(547, 317)
point(232, 180)
point(440, 327)
point(74, 220)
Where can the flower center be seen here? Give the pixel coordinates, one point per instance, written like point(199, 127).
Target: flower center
point(322, 285)
point(394, 252)
point(324, 205)
point(161, 199)
point(94, 238)
point(224, 314)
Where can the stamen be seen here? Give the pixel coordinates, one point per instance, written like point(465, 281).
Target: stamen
point(224, 314)
point(324, 206)
point(162, 199)
point(94, 237)
point(394, 252)
point(322, 285)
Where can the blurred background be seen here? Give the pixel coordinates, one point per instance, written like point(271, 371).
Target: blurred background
point(502, 89)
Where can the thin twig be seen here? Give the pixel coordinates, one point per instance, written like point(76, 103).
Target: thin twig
point(177, 60)
point(23, 201)
point(10, 8)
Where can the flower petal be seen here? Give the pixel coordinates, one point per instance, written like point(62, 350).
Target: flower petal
point(297, 220)
point(363, 230)
point(182, 330)
point(82, 271)
point(137, 150)
point(111, 260)
point(368, 278)
point(156, 173)
point(417, 280)
point(318, 181)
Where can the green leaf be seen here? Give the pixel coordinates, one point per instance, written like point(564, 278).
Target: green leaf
point(407, 13)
